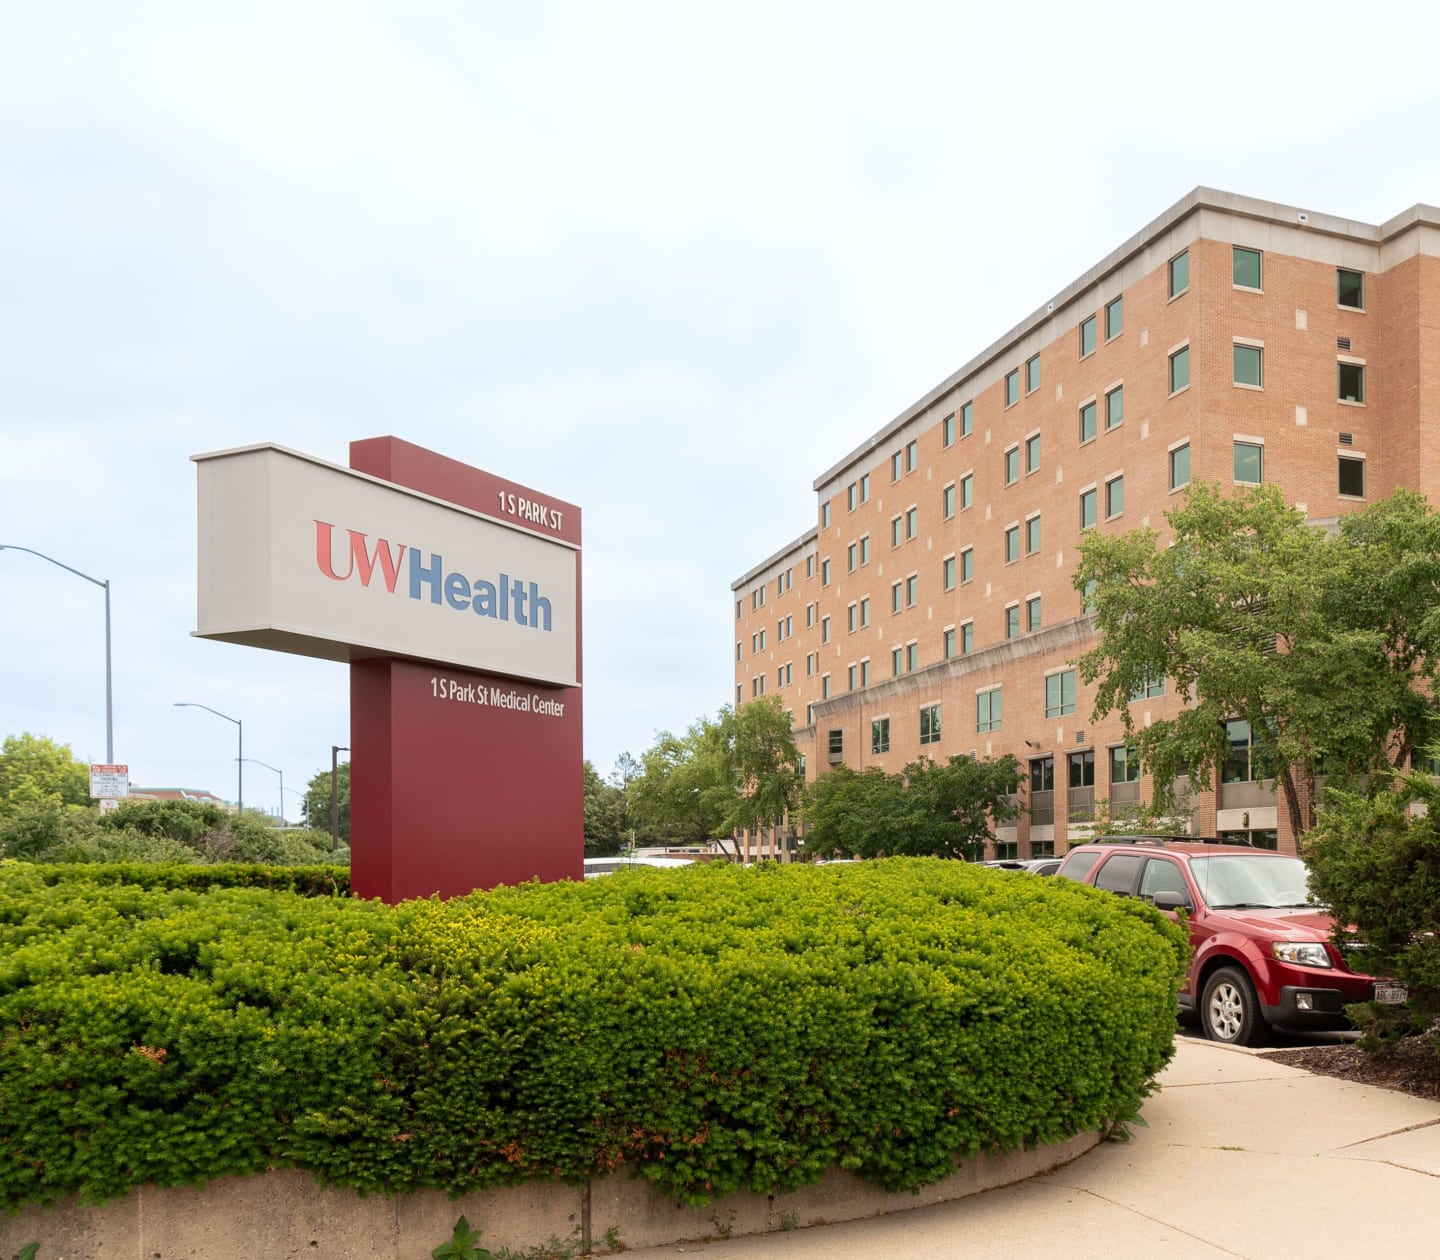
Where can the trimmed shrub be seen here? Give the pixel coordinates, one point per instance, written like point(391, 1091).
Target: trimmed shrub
point(713, 1028)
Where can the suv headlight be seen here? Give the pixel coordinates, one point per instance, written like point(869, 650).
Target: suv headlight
point(1303, 954)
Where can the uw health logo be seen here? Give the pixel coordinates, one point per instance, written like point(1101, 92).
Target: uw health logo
point(504, 599)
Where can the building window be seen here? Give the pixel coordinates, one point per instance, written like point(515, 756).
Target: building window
point(1087, 599)
point(930, 724)
point(947, 430)
point(1245, 764)
point(1082, 769)
point(810, 664)
point(865, 672)
point(988, 711)
point(837, 743)
point(897, 466)
point(947, 574)
point(910, 453)
point(1087, 337)
point(1180, 370)
point(896, 597)
point(912, 522)
point(896, 533)
point(1149, 689)
point(1087, 423)
point(895, 662)
point(1350, 289)
point(1088, 500)
point(851, 677)
point(1032, 613)
point(1032, 453)
point(850, 492)
point(739, 651)
point(912, 590)
point(824, 629)
point(824, 686)
point(1352, 382)
point(865, 549)
point(1246, 268)
point(1114, 407)
point(1012, 465)
point(967, 419)
point(1114, 497)
point(1249, 365)
point(949, 642)
point(967, 565)
point(1179, 273)
point(967, 491)
point(1012, 387)
point(947, 501)
point(1180, 466)
point(739, 694)
point(850, 555)
point(825, 515)
point(865, 488)
point(809, 566)
point(1114, 318)
point(738, 604)
point(880, 735)
point(1032, 535)
point(1249, 462)
point(967, 637)
point(809, 615)
point(1060, 694)
point(1012, 622)
point(1352, 478)
point(1012, 544)
point(1124, 765)
point(912, 656)
point(824, 573)
point(1032, 374)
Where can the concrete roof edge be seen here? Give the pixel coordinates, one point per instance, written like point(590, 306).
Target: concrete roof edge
point(808, 536)
point(1198, 198)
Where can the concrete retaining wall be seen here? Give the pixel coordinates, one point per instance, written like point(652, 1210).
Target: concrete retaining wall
point(285, 1214)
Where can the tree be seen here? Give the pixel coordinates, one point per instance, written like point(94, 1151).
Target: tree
point(35, 770)
point(939, 809)
point(317, 800)
point(604, 815)
point(760, 763)
point(681, 793)
point(1258, 617)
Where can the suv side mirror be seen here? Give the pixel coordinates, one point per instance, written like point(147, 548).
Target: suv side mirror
point(1172, 901)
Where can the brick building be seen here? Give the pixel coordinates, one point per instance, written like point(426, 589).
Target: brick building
point(930, 610)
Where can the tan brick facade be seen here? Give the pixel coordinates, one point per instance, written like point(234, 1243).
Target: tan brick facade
point(878, 630)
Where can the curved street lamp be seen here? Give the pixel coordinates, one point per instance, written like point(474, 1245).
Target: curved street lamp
point(239, 750)
point(105, 585)
point(281, 773)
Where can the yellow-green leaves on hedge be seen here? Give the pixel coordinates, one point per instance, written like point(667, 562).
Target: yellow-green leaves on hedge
point(712, 1028)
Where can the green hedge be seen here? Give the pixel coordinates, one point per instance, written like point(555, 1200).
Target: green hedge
point(714, 1028)
point(309, 881)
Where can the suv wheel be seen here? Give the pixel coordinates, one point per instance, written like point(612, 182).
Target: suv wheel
point(1229, 1011)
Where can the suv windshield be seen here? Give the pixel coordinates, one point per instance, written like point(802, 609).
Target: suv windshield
point(1233, 882)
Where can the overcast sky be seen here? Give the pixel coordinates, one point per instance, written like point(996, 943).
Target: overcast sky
point(665, 261)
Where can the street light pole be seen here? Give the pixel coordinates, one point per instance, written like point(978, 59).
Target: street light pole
point(109, 704)
point(281, 773)
point(239, 749)
point(335, 751)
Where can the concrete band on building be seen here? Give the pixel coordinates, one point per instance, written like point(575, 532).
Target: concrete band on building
point(931, 612)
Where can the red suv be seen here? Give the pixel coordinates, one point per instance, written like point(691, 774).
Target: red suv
point(1263, 953)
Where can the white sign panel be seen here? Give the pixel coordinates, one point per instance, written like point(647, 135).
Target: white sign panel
point(109, 782)
point(303, 556)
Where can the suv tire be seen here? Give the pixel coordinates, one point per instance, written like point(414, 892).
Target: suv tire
point(1229, 1011)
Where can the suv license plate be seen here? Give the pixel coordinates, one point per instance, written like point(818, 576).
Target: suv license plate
point(1390, 994)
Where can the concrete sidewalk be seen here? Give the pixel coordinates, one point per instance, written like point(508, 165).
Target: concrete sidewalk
point(1241, 1157)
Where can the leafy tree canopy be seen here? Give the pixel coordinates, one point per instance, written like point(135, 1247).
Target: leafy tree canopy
point(1323, 641)
point(35, 770)
point(939, 809)
point(317, 800)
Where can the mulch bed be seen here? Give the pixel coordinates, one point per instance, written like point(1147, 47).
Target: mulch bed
point(1412, 1066)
